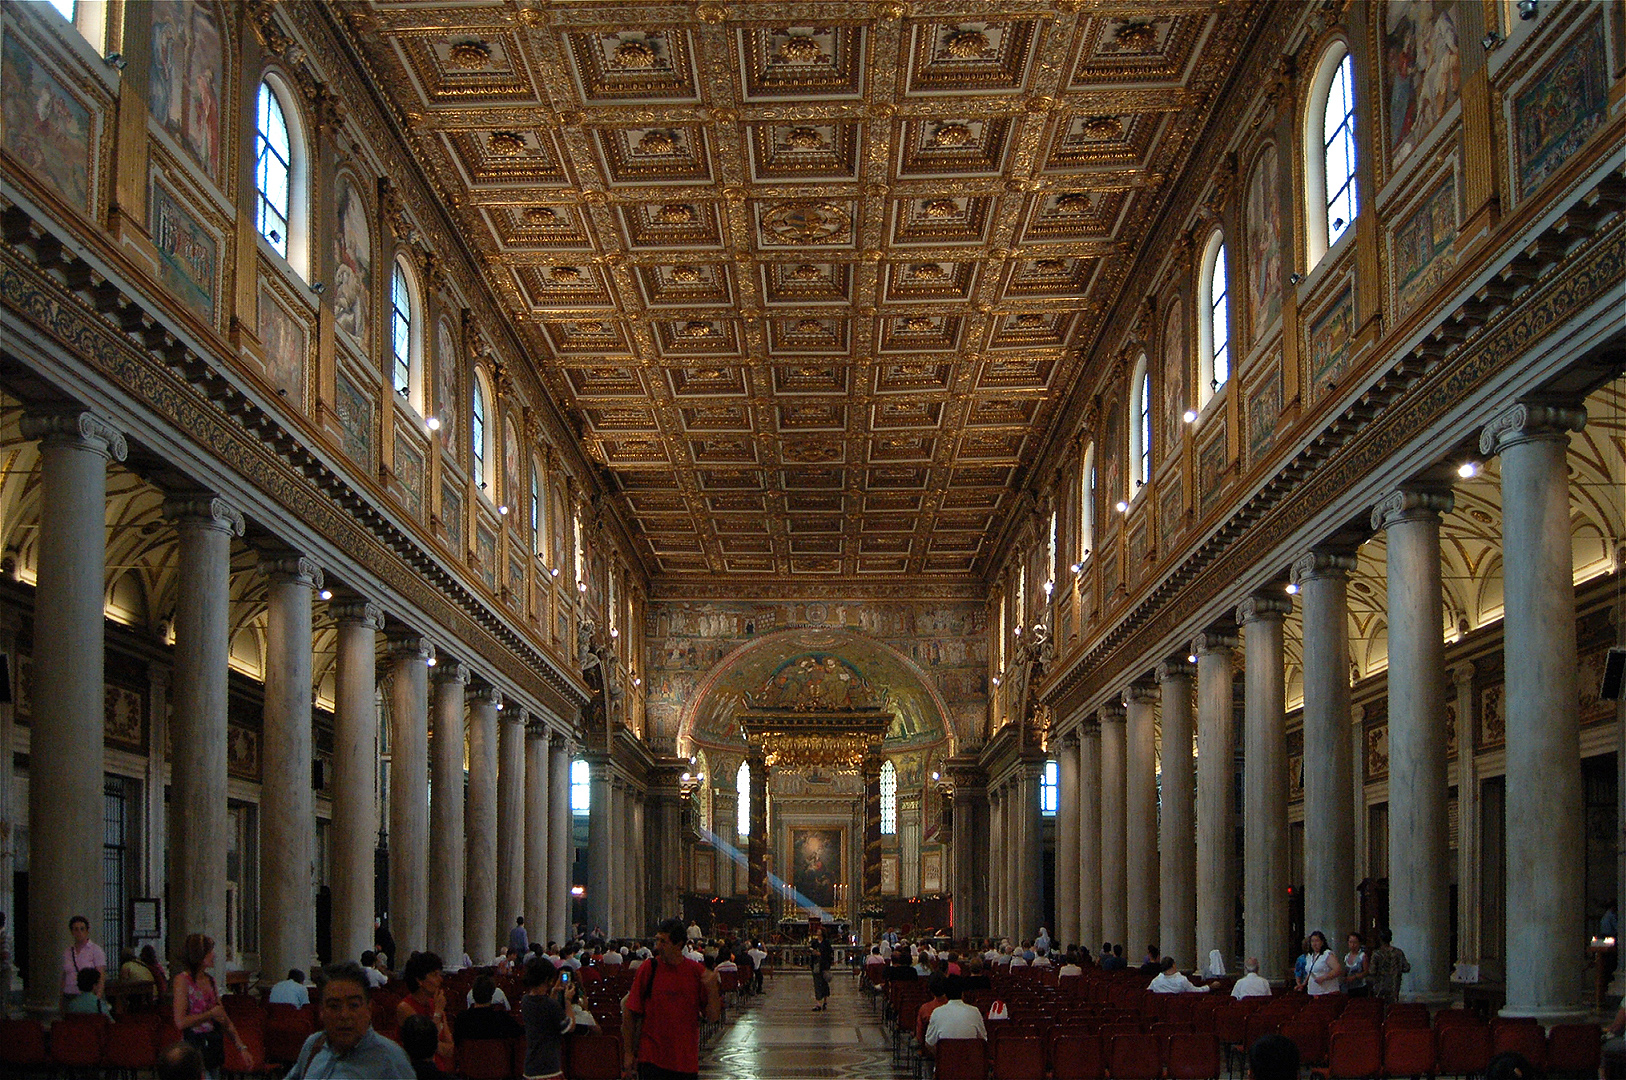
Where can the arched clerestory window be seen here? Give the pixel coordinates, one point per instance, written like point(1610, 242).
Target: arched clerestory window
point(1331, 201)
point(1214, 328)
point(1140, 427)
point(889, 799)
point(480, 450)
point(1086, 505)
point(281, 175)
point(406, 339)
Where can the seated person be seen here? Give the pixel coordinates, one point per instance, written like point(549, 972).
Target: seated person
point(954, 1019)
point(290, 991)
point(372, 967)
point(1171, 981)
point(498, 998)
point(89, 999)
point(1252, 984)
point(938, 984)
point(484, 1019)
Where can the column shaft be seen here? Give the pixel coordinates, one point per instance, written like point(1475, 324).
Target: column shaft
point(757, 881)
point(287, 804)
point(355, 777)
point(1546, 897)
point(599, 812)
point(1140, 821)
point(1177, 840)
point(1089, 830)
point(66, 786)
point(201, 827)
point(561, 841)
point(1066, 928)
point(1329, 796)
point(409, 798)
point(1419, 892)
point(1264, 791)
point(872, 825)
point(1216, 811)
point(510, 819)
point(446, 854)
point(1114, 917)
point(538, 824)
point(996, 863)
point(1030, 847)
point(618, 857)
point(480, 829)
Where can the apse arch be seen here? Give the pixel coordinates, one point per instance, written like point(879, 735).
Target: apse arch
point(919, 714)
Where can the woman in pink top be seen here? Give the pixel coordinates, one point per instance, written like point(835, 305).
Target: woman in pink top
point(83, 953)
point(198, 1014)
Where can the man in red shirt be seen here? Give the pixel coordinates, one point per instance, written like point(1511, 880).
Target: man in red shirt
point(660, 1018)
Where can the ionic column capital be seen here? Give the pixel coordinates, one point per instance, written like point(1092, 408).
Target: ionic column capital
point(1263, 608)
point(536, 728)
point(203, 510)
point(410, 646)
point(448, 670)
point(1089, 729)
point(1173, 670)
point(1525, 421)
point(1323, 564)
point(1112, 712)
point(292, 570)
point(1140, 694)
point(1462, 674)
point(1210, 641)
point(487, 695)
point(1070, 738)
point(366, 613)
point(85, 430)
point(514, 714)
point(1411, 504)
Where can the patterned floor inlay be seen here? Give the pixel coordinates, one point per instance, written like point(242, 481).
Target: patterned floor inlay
point(777, 1036)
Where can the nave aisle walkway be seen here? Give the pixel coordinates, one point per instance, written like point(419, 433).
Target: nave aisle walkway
point(777, 1037)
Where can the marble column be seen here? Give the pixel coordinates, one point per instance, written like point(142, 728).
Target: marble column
point(1216, 809)
point(618, 856)
point(1030, 848)
point(287, 803)
point(1469, 829)
point(409, 798)
point(1066, 929)
point(510, 819)
point(1177, 835)
point(1264, 789)
point(1114, 916)
point(637, 917)
point(1546, 897)
point(1419, 890)
point(155, 821)
point(355, 775)
point(600, 810)
point(200, 831)
point(1089, 832)
point(446, 855)
point(996, 863)
point(480, 829)
point(65, 789)
point(1013, 857)
point(1140, 820)
point(538, 906)
point(1330, 902)
point(561, 839)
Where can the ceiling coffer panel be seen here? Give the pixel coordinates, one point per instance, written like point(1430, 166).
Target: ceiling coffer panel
point(812, 275)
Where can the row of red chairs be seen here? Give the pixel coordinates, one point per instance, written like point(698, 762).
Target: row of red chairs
point(1067, 1056)
point(1458, 1049)
point(586, 1057)
point(129, 1044)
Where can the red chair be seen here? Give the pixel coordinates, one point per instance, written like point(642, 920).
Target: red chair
point(1135, 1057)
point(1019, 1056)
point(485, 1059)
point(76, 1041)
point(1260, 1024)
point(286, 1029)
point(961, 1059)
point(132, 1044)
point(22, 1044)
point(1311, 1039)
point(1520, 1036)
point(1192, 1055)
point(1462, 1049)
point(1077, 1057)
point(595, 1057)
point(1409, 1051)
point(1574, 1050)
point(1410, 1014)
point(1353, 1054)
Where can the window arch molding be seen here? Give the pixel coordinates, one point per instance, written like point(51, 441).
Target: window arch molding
point(1140, 426)
point(1213, 320)
point(293, 206)
point(482, 434)
point(1325, 138)
point(405, 339)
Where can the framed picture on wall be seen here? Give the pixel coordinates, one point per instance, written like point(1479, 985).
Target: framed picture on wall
point(931, 871)
point(889, 875)
point(816, 861)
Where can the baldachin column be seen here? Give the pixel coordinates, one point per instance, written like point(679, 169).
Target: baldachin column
point(287, 804)
point(1329, 794)
point(480, 828)
point(1114, 916)
point(409, 796)
point(1546, 896)
point(1264, 791)
point(200, 822)
point(1177, 839)
point(66, 785)
point(446, 853)
point(1419, 889)
point(354, 832)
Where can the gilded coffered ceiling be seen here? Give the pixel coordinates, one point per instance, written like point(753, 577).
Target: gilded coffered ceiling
point(812, 276)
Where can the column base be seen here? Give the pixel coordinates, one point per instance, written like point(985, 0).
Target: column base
point(1548, 1015)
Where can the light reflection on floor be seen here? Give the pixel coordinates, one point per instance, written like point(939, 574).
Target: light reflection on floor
point(778, 1037)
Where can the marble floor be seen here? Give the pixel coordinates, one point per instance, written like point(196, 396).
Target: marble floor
point(777, 1037)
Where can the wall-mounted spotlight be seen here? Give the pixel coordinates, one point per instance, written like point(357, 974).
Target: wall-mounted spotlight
point(116, 61)
point(1191, 658)
point(1076, 567)
point(318, 288)
point(1189, 416)
point(581, 586)
point(996, 680)
point(1468, 470)
point(432, 423)
point(503, 509)
point(1295, 277)
point(1123, 507)
point(1292, 588)
point(1529, 9)
point(554, 572)
point(326, 594)
point(1049, 587)
point(432, 661)
point(1491, 40)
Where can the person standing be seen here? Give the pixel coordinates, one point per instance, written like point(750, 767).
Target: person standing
point(519, 939)
point(1355, 967)
point(1323, 971)
point(195, 1004)
point(549, 1013)
point(660, 1016)
point(1386, 965)
point(822, 960)
point(83, 953)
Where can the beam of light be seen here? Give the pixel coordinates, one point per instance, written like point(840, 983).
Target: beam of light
point(739, 858)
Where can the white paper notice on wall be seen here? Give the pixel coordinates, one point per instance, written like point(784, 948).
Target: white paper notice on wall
point(1465, 973)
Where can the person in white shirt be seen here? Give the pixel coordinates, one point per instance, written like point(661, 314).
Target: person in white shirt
point(1170, 981)
point(290, 991)
point(991, 956)
point(695, 954)
point(611, 956)
point(954, 1019)
point(1070, 965)
point(499, 1000)
point(370, 967)
point(1324, 973)
point(1017, 960)
point(1251, 984)
point(1041, 959)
